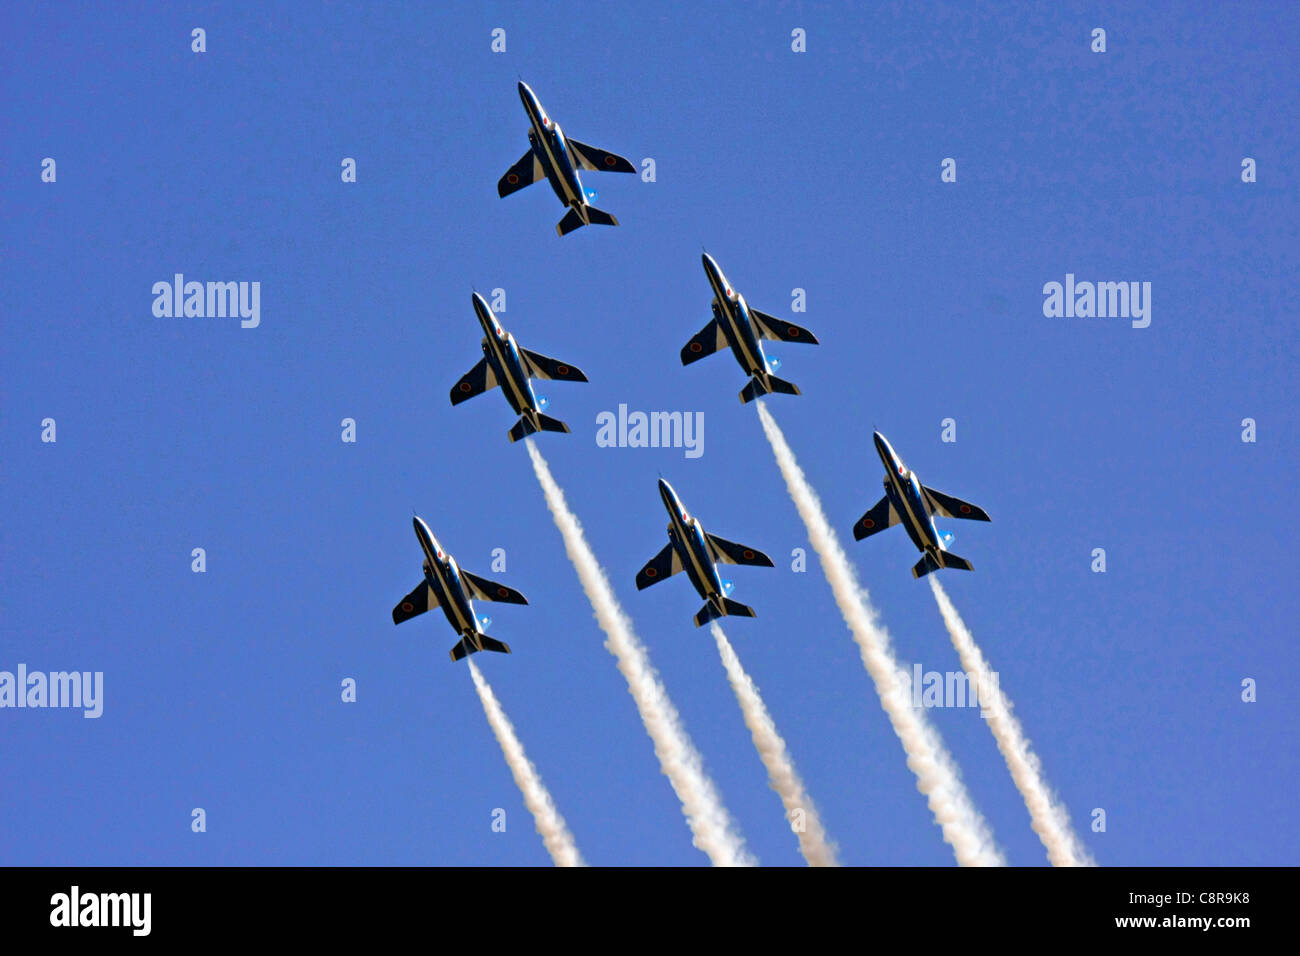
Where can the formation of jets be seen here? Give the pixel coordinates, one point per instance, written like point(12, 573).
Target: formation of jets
point(735, 325)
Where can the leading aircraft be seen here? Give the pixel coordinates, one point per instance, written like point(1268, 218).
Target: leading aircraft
point(556, 158)
point(694, 550)
point(735, 324)
point(446, 586)
point(911, 504)
point(504, 363)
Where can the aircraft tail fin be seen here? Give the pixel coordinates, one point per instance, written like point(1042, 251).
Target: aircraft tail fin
point(765, 384)
point(572, 220)
point(733, 608)
point(948, 559)
point(584, 215)
point(599, 217)
point(544, 423)
point(465, 648)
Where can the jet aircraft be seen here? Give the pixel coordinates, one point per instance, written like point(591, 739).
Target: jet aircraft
point(446, 586)
point(737, 325)
point(911, 504)
point(556, 158)
point(504, 363)
point(694, 550)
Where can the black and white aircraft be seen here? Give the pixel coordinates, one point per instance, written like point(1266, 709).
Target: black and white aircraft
point(446, 586)
point(504, 363)
point(911, 504)
point(694, 550)
point(737, 325)
point(556, 158)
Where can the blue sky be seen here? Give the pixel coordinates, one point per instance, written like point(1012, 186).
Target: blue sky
point(817, 171)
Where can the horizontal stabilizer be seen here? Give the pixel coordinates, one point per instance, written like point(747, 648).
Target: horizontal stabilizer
point(948, 559)
point(733, 608)
point(574, 219)
point(599, 217)
point(763, 384)
point(524, 427)
point(465, 648)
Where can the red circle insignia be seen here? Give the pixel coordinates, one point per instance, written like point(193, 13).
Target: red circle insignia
point(792, 332)
point(965, 509)
point(748, 553)
point(512, 179)
point(868, 523)
point(562, 369)
point(502, 592)
point(408, 607)
point(609, 160)
point(464, 386)
point(651, 573)
point(697, 347)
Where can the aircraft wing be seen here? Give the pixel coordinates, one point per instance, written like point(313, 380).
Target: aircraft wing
point(779, 330)
point(879, 518)
point(706, 342)
point(474, 382)
point(589, 157)
point(728, 552)
point(484, 590)
point(523, 173)
point(950, 507)
point(661, 567)
point(415, 603)
point(541, 366)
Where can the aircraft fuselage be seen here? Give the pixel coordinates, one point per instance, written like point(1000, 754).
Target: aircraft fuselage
point(687, 537)
point(732, 313)
point(443, 575)
point(904, 493)
point(502, 353)
point(552, 150)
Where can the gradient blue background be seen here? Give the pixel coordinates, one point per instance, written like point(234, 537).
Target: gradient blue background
point(818, 171)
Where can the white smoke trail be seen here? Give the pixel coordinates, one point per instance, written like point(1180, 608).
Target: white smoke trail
point(782, 776)
point(936, 774)
point(555, 834)
point(1050, 820)
point(712, 830)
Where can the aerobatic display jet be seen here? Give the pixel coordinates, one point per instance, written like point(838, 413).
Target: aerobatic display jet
point(737, 325)
point(504, 363)
point(694, 550)
point(911, 504)
point(556, 158)
point(446, 586)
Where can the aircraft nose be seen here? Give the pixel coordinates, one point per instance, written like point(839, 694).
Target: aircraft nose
point(882, 447)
